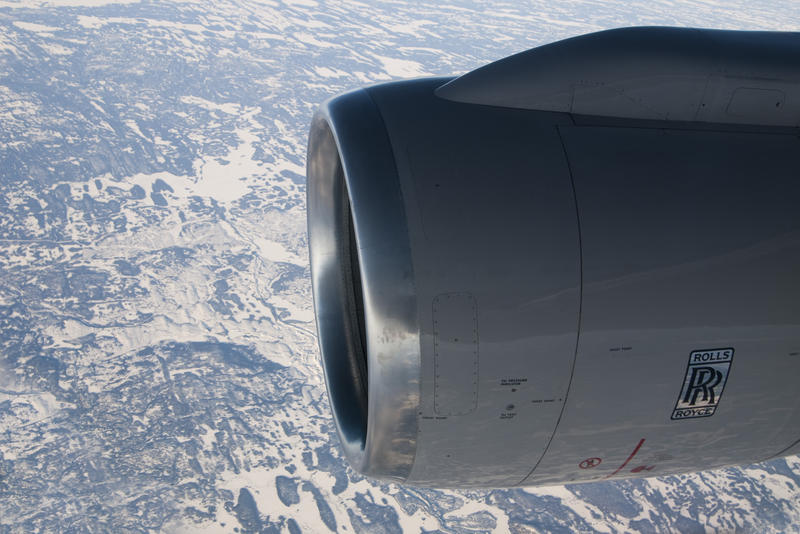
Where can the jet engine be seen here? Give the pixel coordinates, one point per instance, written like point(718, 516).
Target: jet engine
point(578, 263)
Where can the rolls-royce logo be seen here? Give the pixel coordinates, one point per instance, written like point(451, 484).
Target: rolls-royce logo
point(703, 383)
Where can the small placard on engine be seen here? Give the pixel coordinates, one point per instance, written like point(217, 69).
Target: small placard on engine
point(706, 375)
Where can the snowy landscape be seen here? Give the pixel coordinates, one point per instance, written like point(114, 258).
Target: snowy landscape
point(158, 361)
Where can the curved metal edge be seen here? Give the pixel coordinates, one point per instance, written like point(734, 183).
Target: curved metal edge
point(544, 78)
point(364, 151)
point(647, 73)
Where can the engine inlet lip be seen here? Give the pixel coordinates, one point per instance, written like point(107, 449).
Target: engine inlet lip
point(360, 253)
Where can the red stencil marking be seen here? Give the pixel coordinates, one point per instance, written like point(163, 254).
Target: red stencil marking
point(639, 446)
point(642, 468)
point(590, 462)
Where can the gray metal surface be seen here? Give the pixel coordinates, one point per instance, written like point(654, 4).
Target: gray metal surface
point(349, 156)
point(493, 217)
point(552, 297)
point(676, 74)
point(455, 353)
point(691, 240)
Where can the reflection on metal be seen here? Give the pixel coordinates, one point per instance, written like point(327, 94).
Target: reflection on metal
point(351, 174)
point(510, 268)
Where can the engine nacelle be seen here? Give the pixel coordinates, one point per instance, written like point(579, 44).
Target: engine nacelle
point(578, 263)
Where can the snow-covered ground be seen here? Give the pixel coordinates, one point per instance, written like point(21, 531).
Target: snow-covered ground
point(158, 360)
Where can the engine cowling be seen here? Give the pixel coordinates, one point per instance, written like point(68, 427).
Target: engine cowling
point(578, 263)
